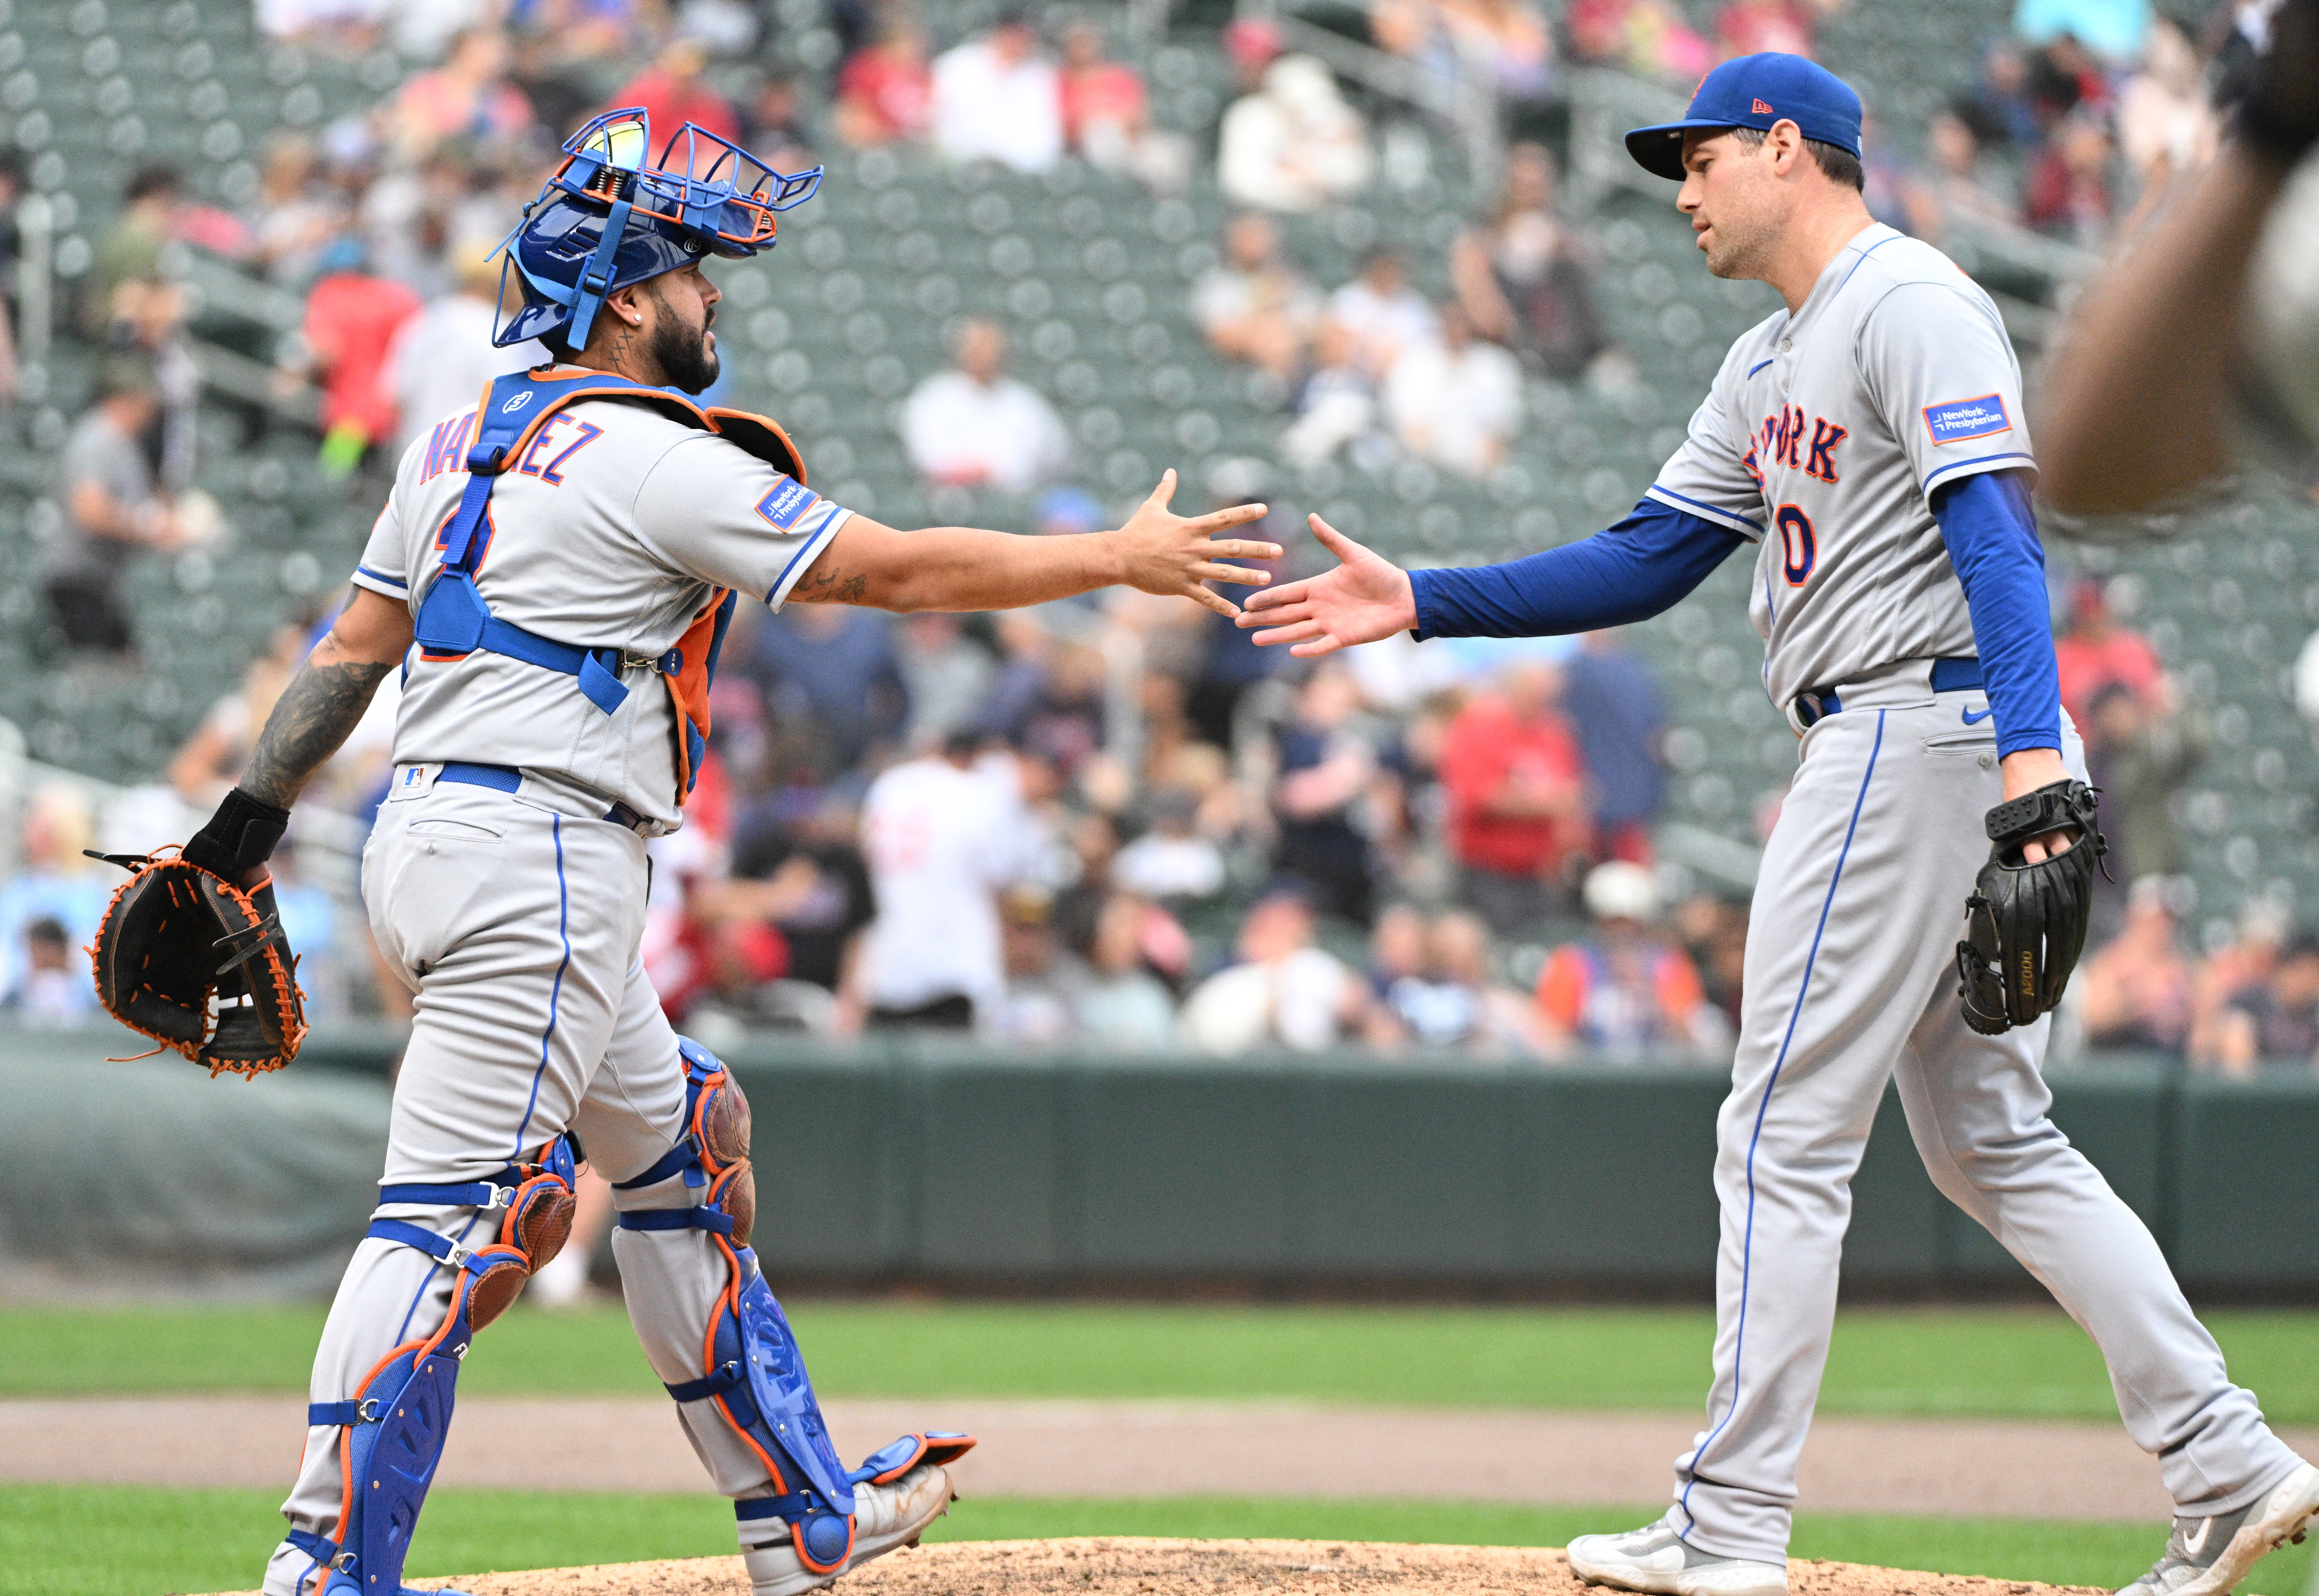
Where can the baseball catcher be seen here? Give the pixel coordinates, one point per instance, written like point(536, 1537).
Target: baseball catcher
point(554, 573)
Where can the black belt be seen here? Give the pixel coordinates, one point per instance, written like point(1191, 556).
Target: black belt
point(1949, 676)
point(508, 778)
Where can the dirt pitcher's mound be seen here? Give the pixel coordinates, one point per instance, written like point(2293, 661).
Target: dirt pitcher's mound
point(1125, 1566)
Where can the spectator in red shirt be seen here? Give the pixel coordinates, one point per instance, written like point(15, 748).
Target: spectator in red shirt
point(671, 93)
point(1103, 101)
point(886, 92)
point(351, 317)
point(2095, 651)
point(1517, 797)
point(468, 97)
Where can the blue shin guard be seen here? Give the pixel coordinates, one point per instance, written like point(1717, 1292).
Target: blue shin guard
point(756, 1375)
point(394, 1426)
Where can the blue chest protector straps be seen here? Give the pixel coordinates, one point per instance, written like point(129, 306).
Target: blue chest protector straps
point(453, 620)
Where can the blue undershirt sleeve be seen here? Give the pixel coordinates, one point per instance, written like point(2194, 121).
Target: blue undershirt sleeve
point(1991, 532)
point(1628, 573)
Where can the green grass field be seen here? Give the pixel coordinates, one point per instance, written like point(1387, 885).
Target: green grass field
point(2021, 1362)
point(64, 1541)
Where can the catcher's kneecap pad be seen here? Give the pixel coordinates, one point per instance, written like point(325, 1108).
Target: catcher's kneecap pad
point(2025, 923)
point(174, 935)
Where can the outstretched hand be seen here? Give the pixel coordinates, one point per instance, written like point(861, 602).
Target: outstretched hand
point(1172, 556)
point(1365, 598)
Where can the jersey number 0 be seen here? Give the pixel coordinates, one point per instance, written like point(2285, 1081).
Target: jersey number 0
point(1798, 547)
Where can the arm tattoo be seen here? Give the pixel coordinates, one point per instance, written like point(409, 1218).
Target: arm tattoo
point(311, 718)
point(831, 587)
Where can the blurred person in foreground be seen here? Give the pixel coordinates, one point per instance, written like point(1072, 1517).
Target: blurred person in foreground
point(1517, 795)
point(942, 834)
point(1628, 987)
point(1254, 306)
point(112, 512)
point(2202, 339)
point(974, 425)
point(1293, 144)
point(2274, 1021)
point(997, 98)
point(1282, 991)
point(2135, 991)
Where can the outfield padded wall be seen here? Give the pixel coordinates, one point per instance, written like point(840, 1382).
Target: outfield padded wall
point(937, 1160)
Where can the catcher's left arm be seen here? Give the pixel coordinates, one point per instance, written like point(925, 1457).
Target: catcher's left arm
point(202, 923)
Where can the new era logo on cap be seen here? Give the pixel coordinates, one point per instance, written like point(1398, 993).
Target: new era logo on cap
point(1761, 108)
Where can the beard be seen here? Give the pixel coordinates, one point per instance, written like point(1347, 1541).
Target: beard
point(686, 360)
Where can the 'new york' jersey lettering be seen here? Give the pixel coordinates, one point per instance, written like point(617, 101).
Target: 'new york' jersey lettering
point(1823, 437)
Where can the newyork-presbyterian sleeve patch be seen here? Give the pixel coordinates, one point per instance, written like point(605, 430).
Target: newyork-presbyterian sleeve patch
point(1961, 420)
point(787, 503)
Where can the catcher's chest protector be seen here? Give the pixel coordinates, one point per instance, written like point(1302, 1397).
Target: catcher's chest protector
point(453, 620)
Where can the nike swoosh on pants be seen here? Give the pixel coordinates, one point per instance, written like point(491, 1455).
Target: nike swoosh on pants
point(1972, 720)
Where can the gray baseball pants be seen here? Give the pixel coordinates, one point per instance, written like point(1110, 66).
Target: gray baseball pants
point(516, 919)
point(1849, 983)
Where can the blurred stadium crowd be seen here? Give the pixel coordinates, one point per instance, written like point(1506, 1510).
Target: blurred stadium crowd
point(1114, 823)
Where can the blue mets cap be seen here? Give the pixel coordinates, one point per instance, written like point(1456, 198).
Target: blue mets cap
point(1756, 92)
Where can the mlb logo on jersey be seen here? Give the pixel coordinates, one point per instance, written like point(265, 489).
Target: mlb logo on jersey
point(1961, 419)
point(790, 499)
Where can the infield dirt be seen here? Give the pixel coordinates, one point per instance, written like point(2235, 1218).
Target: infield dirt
point(1125, 1566)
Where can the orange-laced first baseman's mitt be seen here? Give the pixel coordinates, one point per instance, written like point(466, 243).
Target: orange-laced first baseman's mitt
point(176, 935)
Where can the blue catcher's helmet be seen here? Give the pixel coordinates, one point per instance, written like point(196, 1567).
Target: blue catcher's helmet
point(606, 219)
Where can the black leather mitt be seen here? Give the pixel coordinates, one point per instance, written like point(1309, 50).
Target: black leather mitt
point(2025, 925)
point(176, 936)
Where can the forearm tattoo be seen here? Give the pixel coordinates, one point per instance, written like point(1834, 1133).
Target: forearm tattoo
point(831, 587)
point(310, 720)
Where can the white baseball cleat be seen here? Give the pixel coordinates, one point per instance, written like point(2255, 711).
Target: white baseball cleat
point(884, 1517)
point(2209, 1556)
point(1657, 1560)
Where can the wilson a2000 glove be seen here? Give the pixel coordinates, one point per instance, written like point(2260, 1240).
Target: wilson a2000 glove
point(2025, 925)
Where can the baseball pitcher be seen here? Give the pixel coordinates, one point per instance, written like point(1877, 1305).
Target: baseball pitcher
point(1868, 438)
point(552, 575)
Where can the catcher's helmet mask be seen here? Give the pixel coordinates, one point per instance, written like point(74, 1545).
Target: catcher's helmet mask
point(606, 219)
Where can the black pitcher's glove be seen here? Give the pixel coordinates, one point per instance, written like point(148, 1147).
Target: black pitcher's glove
point(181, 930)
point(2025, 923)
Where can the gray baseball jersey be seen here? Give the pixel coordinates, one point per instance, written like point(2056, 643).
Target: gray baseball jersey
point(1824, 435)
point(610, 530)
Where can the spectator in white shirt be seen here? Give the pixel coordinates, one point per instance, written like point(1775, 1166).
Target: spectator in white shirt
point(975, 426)
point(1456, 401)
point(1293, 144)
point(942, 835)
point(441, 358)
point(1284, 992)
point(997, 98)
point(1382, 311)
